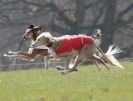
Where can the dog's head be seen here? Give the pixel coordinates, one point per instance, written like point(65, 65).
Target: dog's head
point(97, 37)
point(44, 39)
point(97, 34)
point(31, 32)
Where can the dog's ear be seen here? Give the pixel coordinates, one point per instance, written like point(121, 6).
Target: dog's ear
point(31, 27)
point(38, 28)
point(49, 41)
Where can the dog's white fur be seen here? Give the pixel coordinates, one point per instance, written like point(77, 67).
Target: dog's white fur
point(112, 50)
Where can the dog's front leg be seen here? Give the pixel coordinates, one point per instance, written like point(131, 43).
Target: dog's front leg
point(79, 58)
point(66, 67)
point(75, 64)
point(11, 52)
point(68, 60)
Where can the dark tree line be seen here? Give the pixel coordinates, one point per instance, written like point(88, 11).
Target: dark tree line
point(71, 16)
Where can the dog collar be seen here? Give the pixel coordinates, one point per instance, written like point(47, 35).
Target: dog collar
point(49, 45)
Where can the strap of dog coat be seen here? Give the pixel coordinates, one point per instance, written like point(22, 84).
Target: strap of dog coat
point(82, 41)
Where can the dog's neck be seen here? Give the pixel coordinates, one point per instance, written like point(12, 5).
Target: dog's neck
point(55, 43)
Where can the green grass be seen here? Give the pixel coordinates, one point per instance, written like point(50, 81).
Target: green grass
point(85, 85)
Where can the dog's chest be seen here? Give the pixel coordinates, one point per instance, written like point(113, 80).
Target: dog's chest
point(73, 42)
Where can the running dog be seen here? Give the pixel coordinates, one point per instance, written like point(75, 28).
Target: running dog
point(31, 33)
point(81, 46)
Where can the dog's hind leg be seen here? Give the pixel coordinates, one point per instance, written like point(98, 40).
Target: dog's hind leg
point(97, 60)
point(104, 56)
point(97, 65)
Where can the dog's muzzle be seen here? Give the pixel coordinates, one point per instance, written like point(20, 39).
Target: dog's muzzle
point(24, 37)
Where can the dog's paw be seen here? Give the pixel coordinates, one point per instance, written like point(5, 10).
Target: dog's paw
point(59, 68)
point(75, 70)
point(31, 59)
point(65, 72)
point(9, 52)
point(69, 71)
point(5, 55)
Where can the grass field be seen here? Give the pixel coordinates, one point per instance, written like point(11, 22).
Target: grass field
point(85, 85)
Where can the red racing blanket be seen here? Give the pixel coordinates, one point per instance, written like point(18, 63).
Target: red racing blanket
point(73, 42)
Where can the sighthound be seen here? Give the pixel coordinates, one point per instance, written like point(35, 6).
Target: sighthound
point(83, 47)
point(31, 33)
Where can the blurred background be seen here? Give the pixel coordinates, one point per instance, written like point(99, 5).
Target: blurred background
point(61, 17)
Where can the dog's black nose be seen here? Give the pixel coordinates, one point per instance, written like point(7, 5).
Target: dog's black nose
point(24, 37)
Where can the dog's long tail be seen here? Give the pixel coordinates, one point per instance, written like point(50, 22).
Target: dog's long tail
point(110, 55)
